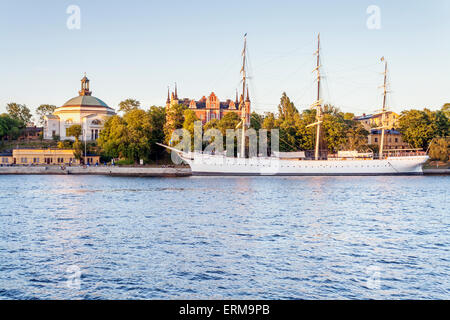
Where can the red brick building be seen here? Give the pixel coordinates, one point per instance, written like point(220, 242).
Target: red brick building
point(209, 108)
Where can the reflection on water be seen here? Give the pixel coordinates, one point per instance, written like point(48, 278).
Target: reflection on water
point(212, 237)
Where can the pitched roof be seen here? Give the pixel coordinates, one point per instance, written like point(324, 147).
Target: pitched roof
point(377, 131)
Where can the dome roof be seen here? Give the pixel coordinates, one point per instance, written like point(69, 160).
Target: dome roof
point(85, 101)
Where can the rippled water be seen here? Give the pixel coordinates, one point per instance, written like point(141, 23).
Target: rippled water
point(242, 238)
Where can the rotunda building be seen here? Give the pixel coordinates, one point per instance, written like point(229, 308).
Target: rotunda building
point(86, 110)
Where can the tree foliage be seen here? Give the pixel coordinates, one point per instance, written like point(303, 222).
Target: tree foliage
point(419, 127)
point(44, 110)
point(134, 135)
point(174, 120)
point(286, 108)
point(256, 121)
point(9, 127)
point(295, 135)
point(228, 121)
point(189, 121)
point(440, 149)
point(19, 112)
point(446, 110)
point(356, 137)
point(128, 105)
point(74, 131)
point(77, 149)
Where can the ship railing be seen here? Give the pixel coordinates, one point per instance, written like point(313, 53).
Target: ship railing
point(404, 153)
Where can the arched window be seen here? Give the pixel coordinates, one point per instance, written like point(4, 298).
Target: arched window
point(96, 122)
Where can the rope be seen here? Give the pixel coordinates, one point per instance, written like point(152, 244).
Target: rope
point(393, 167)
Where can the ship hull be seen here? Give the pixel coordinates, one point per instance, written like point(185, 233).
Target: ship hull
point(222, 166)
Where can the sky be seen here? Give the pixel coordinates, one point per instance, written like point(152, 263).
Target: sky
point(136, 49)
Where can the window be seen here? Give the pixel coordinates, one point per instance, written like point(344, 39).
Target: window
point(376, 139)
point(23, 160)
point(396, 140)
point(5, 160)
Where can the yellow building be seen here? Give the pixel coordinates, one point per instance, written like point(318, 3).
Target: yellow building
point(6, 159)
point(45, 157)
point(392, 139)
point(374, 120)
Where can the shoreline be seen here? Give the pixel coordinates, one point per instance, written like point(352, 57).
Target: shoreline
point(100, 170)
point(437, 171)
point(128, 171)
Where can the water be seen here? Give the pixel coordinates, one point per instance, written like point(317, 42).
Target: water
point(94, 237)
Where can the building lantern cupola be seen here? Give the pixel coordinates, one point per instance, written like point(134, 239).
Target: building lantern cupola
point(85, 87)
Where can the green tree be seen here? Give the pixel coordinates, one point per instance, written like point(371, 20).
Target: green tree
point(441, 121)
point(446, 110)
point(189, 120)
point(113, 137)
point(357, 138)
point(419, 127)
point(133, 136)
point(174, 120)
point(9, 127)
point(77, 149)
point(157, 118)
point(128, 105)
point(269, 121)
point(139, 129)
point(44, 110)
point(211, 124)
point(286, 108)
point(335, 132)
point(256, 121)
point(228, 121)
point(288, 122)
point(74, 131)
point(439, 149)
point(19, 112)
point(296, 135)
point(349, 116)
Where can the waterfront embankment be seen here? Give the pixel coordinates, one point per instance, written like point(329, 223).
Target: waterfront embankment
point(130, 171)
point(100, 170)
point(436, 171)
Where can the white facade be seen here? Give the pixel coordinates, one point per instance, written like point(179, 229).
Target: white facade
point(85, 110)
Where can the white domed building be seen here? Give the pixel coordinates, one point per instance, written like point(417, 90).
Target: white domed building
point(88, 111)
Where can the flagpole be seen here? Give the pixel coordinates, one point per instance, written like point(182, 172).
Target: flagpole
point(85, 141)
point(243, 108)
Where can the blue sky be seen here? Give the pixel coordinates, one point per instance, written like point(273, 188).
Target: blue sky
point(135, 49)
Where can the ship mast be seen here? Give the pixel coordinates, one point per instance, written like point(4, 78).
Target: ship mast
point(243, 106)
point(383, 110)
point(317, 104)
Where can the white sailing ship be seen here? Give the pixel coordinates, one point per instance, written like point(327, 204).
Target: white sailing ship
point(297, 163)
